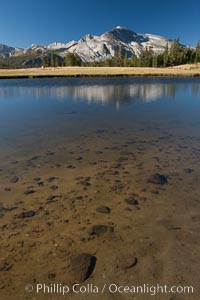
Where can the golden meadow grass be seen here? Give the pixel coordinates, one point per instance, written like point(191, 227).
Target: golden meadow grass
point(184, 70)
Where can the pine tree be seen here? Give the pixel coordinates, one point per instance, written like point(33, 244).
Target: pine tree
point(118, 59)
point(175, 52)
point(107, 62)
point(72, 59)
point(166, 56)
point(146, 58)
point(197, 52)
point(125, 60)
point(133, 62)
point(155, 61)
point(45, 61)
point(56, 62)
point(52, 60)
point(188, 56)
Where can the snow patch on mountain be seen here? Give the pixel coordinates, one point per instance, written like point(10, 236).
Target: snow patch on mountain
point(97, 48)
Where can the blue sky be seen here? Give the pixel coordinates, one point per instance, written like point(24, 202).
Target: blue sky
point(24, 22)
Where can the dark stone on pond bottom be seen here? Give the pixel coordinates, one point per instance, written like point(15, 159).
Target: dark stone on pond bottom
point(14, 179)
point(100, 131)
point(26, 214)
point(10, 208)
point(37, 179)
point(79, 158)
point(1, 206)
point(28, 192)
point(116, 166)
point(87, 178)
point(53, 198)
point(188, 171)
point(103, 209)
point(130, 262)
point(113, 172)
point(14, 162)
point(100, 229)
point(85, 183)
point(51, 275)
point(155, 192)
point(83, 266)
point(5, 266)
point(99, 152)
point(157, 179)
point(54, 187)
point(71, 167)
point(50, 179)
point(131, 201)
point(121, 159)
point(49, 153)
point(34, 158)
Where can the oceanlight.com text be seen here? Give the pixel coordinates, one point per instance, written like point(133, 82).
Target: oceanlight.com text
point(113, 288)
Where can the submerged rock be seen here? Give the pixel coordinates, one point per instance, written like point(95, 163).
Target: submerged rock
point(1, 206)
point(131, 201)
point(51, 276)
point(54, 187)
point(83, 266)
point(10, 208)
point(49, 153)
point(79, 158)
point(53, 198)
point(71, 167)
point(37, 179)
point(26, 214)
point(85, 183)
point(129, 262)
point(100, 131)
point(5, 266)
point(29, 192)
point(14, 179)
point(51, 179)
point(188, 170)
point(103, 209)
point(157, 178)
point(100, 229)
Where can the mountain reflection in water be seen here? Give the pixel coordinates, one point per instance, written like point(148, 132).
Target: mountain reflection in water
point(103, 92)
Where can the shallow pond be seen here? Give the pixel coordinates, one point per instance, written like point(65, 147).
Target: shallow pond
point(72, 151)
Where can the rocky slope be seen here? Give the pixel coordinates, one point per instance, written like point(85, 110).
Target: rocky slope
point(97, 48)
point(91, 47)
point(6, 50)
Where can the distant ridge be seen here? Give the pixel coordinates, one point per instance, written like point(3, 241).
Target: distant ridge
point(97, 48)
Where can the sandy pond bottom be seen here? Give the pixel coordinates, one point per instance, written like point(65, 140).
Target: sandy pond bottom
point(78, 201)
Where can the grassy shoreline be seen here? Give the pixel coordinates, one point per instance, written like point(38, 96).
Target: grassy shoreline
point(178, 71)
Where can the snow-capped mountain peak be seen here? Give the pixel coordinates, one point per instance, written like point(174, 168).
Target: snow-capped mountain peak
point(96, 48)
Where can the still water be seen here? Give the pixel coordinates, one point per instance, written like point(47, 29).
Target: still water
point(45, 113)
point(73, 155)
